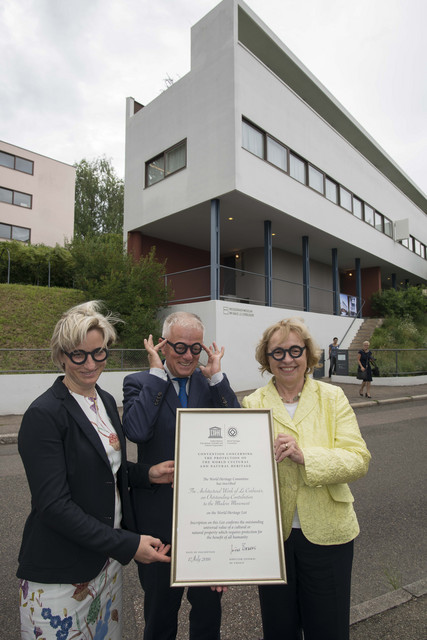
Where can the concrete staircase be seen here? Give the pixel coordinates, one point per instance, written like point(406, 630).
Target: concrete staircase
point(365, 332)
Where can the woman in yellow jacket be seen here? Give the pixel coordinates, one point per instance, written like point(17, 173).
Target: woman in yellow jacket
point(319, 449)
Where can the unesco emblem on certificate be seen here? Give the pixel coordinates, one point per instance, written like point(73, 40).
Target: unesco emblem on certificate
point(226, 511)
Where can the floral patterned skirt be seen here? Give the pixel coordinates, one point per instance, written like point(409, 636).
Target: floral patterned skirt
point(86, 611)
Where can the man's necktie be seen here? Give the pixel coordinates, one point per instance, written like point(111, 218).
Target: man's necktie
point(182, 394)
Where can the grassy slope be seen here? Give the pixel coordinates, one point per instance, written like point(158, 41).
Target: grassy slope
point(29, 314)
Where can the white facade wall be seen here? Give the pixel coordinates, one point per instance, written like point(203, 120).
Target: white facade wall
point(200, 108)
point(206, 106)
point(52, 186)
point(266, 101)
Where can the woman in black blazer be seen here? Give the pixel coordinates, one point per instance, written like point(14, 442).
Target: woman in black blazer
point(80, 529)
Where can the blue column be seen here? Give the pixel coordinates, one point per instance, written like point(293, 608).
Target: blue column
point(358, 287)
point(268, 261)
point(215, 257)
point(393, 281)
point(306, 272)
point(335, 282)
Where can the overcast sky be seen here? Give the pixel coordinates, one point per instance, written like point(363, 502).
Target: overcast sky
point(67, 67)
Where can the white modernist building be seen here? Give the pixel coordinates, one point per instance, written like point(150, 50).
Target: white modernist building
point(264, 195)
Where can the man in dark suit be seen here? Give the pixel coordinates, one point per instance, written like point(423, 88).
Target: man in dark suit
point(151, 399)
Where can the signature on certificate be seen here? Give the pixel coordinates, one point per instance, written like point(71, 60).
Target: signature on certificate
point(242, 548)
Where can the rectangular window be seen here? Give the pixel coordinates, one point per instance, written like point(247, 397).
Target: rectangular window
point(6, 195)
point(315, 179)
point(297, 168)
point(369, 214)
point(22, 199)
point(166, 163)
point(252, 139)
point(155, 170)
point(331, 190)
point(15, 197)
point(24, 165)
point(10, 232)
point(277, 154)
point(20, 233)
point(345, 199)
point(5, 231)
point(176, 158)
point(7, 160)
point(417, 247)
point(378, 221)
point(357, 208)
point(388, 227)
point(15, 162)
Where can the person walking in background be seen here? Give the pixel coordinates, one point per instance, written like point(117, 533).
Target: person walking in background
point(79, 531)
point(151, 399)
point(319, 449)
point(364, 371)
point(333, 352)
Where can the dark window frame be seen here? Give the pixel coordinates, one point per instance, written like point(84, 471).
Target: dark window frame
point(15, 158)
point(15, 226)
point(312, 166)
point(13, 203)
point(304, 162)
point(386, 223)
point(164, 155)
point(267, 136)
point(340, 199)
point(337, 186)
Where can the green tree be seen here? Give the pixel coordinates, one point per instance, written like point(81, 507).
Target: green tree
point(30, 264)
point(135, 290)
point(99, 198)
point(400, 303)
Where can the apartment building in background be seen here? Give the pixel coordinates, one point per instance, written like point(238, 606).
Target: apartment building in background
point(262, 193)
point(36, 197)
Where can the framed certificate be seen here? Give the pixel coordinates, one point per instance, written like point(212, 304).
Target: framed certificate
point(226, 512)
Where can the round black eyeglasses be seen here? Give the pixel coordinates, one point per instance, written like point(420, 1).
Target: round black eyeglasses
point(180, 347)
point(80, 356)
point(279, 354)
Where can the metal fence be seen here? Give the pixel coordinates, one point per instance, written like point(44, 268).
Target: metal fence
point(40, 361)
point(248, 287)
point(391, 362)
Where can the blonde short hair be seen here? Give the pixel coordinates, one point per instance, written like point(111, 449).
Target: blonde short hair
point(285, 327)
point(74, 325)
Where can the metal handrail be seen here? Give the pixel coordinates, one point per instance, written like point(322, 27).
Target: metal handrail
point(136, 359)
point(358, 317)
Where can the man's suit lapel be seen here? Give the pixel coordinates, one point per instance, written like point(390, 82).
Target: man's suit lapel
point(172, 398)
point(197, 395)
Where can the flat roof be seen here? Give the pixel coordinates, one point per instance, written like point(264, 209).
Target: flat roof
point(280, 60)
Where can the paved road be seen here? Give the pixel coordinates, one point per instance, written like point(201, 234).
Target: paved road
point(389, 553)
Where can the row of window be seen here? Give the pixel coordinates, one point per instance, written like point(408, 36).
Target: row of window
point(268, 148)
point(16, 197)
point(416, 246)
point(10, 232)
point(17, 163)
point(166, 163)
